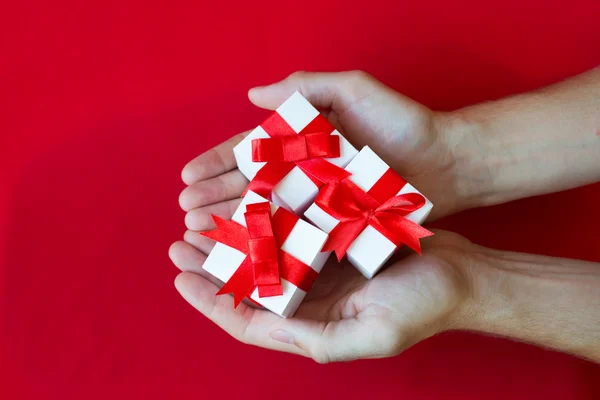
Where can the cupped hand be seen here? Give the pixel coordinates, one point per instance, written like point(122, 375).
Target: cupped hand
point(417, 142)
point(344, 316)
point(421, 145)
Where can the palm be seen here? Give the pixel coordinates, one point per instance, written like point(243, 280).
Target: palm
point(357, 317)
point(342, 292)
point(413, 293)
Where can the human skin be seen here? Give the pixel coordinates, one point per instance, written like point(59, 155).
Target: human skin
point(534, 143)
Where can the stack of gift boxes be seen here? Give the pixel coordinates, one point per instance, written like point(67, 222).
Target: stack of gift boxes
point(311, 193)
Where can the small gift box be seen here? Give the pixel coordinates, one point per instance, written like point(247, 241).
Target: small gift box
point(266, 253)
point(292, 154)
point(370, 214)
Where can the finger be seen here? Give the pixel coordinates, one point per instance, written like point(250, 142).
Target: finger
point(214, 162)
point(248, 325)
point(322, 341)
point(199, 219)
point(344, 340)
point(228, 186)
point(187, 258)
point(336, 90)
point(202, 243)
point(334, 120)
point(325, 342)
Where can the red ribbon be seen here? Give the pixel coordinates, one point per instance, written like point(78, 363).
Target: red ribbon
point(285, 149)
point(265, 263)
point(355, 209)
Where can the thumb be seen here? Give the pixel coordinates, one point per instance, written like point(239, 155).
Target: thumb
point(343, 340)
point(335, 90)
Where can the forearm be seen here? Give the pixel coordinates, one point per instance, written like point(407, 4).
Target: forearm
point(550, 302)
point(530, 144)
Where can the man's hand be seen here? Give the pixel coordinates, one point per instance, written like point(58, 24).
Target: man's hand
point(410, 137)
point(345, 316)
point(455, 285)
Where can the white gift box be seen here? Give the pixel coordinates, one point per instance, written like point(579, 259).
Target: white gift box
point(296, 190)
point(371, 249)
point(304, 242)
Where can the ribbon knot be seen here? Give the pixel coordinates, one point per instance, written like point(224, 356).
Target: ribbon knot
point(355, 209)
point(295, 148)
point(368, 214)
point(286, 149)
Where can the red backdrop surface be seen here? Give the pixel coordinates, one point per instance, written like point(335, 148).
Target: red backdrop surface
point(102, 104)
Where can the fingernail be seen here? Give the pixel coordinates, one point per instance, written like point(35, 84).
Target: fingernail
point(282, 336)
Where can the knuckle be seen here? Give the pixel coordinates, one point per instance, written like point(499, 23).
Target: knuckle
point(297, 75)
point(243, 335)
point(319, 354)
point(321, 357)
point(239, 137)
point(207, 192)
point(242, 339)
point(393, 343)
point(394, 347)
point(221, 189)
point(358, 76)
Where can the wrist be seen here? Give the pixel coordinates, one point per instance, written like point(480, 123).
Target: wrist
point(487, 304)
point(546, 301)
point(525, 145)
point(474, 169)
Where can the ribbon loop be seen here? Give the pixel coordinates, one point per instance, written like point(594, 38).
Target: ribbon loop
point(285, 149)
point(403, 204)
point(322, 144)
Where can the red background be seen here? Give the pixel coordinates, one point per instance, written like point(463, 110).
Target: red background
point(103, 102)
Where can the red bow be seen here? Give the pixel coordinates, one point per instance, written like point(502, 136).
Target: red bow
point(285, 149)
point(265, 263)
point(355, 209)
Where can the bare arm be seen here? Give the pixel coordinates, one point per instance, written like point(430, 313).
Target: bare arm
point(530, 144)
point(525, 145)
point(551, 302)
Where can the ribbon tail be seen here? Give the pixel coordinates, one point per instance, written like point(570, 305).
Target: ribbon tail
point(414, 232)
point(402, 231)
point(322, 170)
point(241, 283)
point(342, 236)
point(229, 233)
point(403, 204)
point(268, 177)
point(270, 290)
